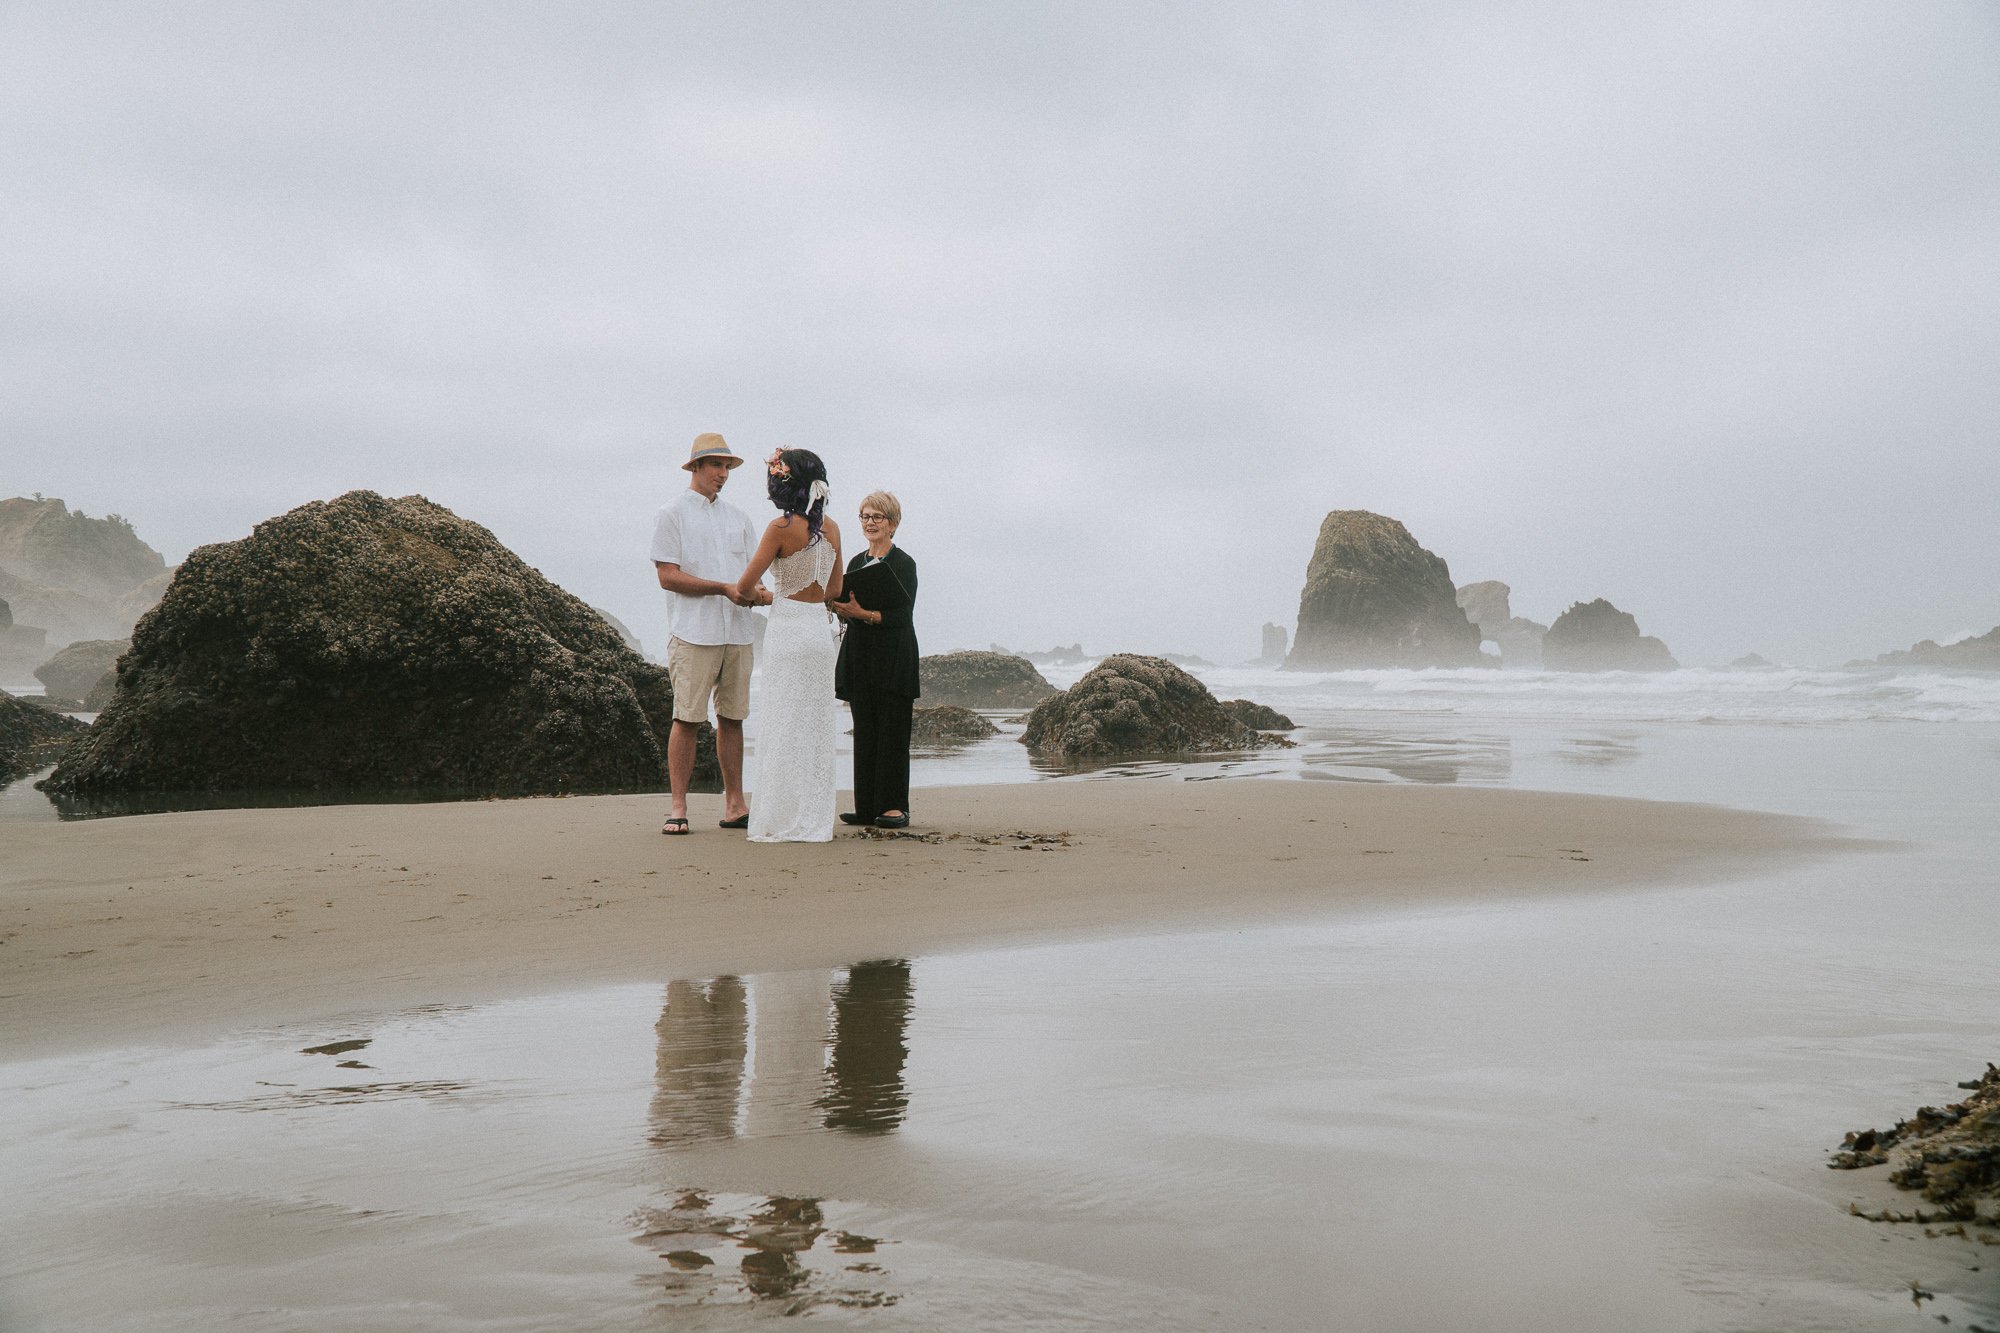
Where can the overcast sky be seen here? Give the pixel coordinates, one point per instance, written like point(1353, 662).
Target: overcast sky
point(1695, 307)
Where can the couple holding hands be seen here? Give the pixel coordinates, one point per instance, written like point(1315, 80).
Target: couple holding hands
point(712, 561)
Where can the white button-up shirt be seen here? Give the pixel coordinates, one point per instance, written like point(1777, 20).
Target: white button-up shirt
point(710, 539)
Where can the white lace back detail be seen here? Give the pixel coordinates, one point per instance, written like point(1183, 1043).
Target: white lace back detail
point(798, 571)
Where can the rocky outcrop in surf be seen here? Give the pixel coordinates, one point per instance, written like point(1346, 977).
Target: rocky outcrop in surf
point(1128, 704)
point(975, 679)
point(1519, 640)
point(1374, 598)
point(1597, 636)
point(79, 671)
point(1256, 716)
point(369, 644)
point(948, 724)
point(32, 737)
point(1974, 653)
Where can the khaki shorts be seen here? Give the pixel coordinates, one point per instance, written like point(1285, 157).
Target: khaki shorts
point(698, 670)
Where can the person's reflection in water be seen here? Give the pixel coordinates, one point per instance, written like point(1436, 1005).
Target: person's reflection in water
point(871, 1012)
point(699, 1075)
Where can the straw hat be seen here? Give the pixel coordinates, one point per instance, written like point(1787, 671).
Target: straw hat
point(710, 445)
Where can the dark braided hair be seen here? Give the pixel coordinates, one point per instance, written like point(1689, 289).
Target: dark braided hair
point(791, 488)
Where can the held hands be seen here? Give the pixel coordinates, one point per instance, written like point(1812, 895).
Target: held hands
point(758, 595)
point(849, 609)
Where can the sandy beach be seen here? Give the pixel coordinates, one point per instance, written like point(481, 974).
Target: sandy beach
point(183, 925)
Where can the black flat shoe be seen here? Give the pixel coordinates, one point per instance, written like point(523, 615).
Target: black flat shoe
point(850, 817)
point(892, 821)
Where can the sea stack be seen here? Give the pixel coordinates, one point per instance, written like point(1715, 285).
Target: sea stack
point(1374, 598)
point(1519, 640)
point(369, 644)
point(1597, 636)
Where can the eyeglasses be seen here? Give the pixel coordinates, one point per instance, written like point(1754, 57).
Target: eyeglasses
point(870, 516)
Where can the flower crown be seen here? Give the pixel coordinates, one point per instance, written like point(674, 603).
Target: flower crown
point(775, 465)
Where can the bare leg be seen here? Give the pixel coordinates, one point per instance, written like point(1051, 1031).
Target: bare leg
point(729, 756)
point(680, 764)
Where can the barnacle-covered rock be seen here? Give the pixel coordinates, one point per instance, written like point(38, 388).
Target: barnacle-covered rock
point(982, 680)
point(371, 644)
point(1129, 704)
point(1949, 1154)
point(31, 736)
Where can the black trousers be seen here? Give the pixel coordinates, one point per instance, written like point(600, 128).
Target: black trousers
point(881, 753)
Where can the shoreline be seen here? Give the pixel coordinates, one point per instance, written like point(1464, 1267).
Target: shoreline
point(184, 926)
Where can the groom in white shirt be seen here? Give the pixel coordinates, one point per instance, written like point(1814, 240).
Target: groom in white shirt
point(701, 544)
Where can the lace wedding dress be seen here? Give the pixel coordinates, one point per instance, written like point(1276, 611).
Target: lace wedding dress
point(792, 795)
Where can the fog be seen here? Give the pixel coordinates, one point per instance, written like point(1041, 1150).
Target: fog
point(1694, 307)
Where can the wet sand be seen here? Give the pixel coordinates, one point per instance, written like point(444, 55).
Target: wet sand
point(186, 925)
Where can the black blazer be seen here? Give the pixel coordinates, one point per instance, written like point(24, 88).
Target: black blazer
point(880, 659)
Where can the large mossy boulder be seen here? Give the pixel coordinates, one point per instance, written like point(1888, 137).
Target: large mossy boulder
point(982, 680)
point(77, 669)
point(1129, 704)
point(32, 737)
point(1374, 598)
point(368, 644)
point(1597, 636)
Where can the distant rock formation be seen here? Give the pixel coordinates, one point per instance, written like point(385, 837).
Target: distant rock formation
point(630, 639)
point(1057, 656)
point(22, 647)
point(369, 644)
point(32, 737)
point(1374, 598)
point(1519, 640)
point(1977, 653)
point(1597, 636)
point(1275, 643)
point(1256, 716)
point(1128, 704)
point(948, 724)
point(1749, 662)
point(77, 670)
point(975, 679)
point(75, 576)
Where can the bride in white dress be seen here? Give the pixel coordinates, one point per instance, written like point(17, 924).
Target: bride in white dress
point(793, 701)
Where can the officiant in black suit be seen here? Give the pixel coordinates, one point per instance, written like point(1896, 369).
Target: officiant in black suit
point(877, 670)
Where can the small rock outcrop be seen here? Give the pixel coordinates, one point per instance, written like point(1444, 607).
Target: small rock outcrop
point(975, 679)
point(76, 670)
point(1749, 662)
point(1374, 598)
point(1128, 704)
point(1276, 641)
point(32, 737)
point(948, 724)
point(369, 644)
point(1256, 716)
point(1597, 636)
point(1977, 653)
point(1949, 1154)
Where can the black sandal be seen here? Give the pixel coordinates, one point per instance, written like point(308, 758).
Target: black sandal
point(672, 820)
point(741, 821)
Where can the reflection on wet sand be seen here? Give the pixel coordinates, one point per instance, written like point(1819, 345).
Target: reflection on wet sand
point(865, 1077)
point(780, 1054)
point(1413, 758)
